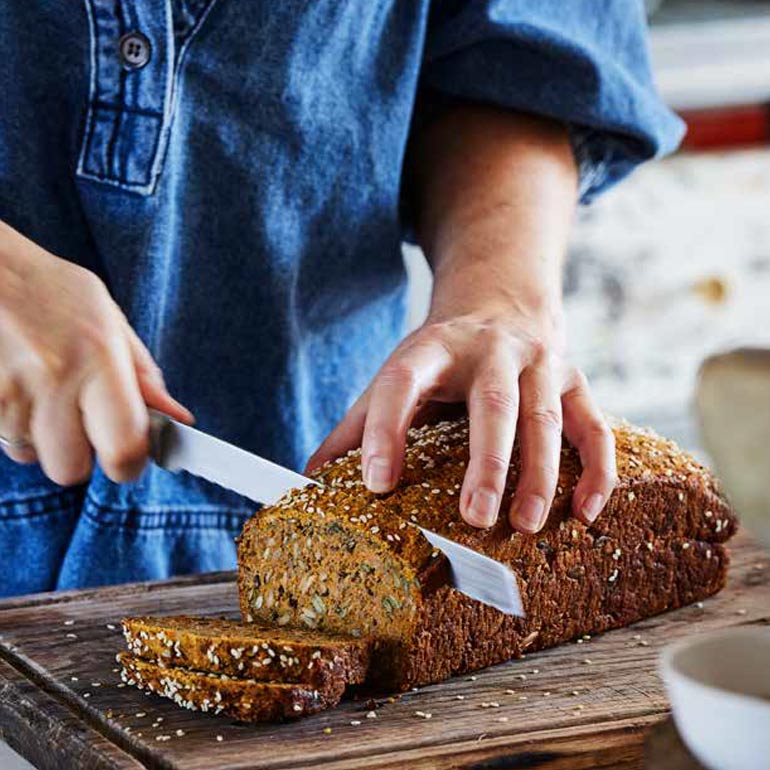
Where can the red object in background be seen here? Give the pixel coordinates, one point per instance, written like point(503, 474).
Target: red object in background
point(727, 127)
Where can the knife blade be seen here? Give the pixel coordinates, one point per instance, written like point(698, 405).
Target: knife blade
point(175, 446)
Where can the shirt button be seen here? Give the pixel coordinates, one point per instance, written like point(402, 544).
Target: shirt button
point(134, 50)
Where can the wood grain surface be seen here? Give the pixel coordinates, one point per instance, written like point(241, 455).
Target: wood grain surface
point(587, 705)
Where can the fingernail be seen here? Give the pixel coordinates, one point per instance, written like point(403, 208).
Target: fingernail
point(377, 475)
point(592, 506)
point(482, 510)
point(529, 512)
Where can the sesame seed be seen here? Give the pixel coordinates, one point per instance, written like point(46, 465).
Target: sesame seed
point(371, 715)
point(220, 738)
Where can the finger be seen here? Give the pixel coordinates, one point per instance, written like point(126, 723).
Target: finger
point(540, 432)
point(586, 429)
point(345, 436)
point(493, 405)
point(114, 413)
point(60, 441)
point(14, 421)
point(152, 386)
point(394, 396)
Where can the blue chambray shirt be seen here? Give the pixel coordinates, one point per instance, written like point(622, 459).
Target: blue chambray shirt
point(239, 193)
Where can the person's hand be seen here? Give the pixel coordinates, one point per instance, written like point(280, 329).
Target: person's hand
point(74, 377)
point(514, 380)
point(495, 194)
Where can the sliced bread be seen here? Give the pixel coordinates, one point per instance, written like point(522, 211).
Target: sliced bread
point(246, 700)
point(222, 646)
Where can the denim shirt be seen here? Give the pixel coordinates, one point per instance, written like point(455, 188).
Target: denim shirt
point(232, 170)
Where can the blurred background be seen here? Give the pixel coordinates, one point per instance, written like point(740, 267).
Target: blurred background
point(674, 264)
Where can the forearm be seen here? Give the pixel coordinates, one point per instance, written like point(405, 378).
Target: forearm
point(495, 194)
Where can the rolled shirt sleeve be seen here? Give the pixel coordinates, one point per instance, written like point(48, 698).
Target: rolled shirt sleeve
point(583, 62)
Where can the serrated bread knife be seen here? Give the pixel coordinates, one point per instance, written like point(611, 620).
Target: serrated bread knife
point(175, 447)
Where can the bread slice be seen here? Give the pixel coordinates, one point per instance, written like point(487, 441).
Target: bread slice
point(340, 559)
point(246, 700)
point(221, 646)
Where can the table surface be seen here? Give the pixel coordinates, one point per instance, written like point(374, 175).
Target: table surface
point(575, 706)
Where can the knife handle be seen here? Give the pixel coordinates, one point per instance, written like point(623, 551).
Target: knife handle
point(160, 438)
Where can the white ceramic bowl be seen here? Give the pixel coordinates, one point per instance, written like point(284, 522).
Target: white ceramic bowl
point(719, 687)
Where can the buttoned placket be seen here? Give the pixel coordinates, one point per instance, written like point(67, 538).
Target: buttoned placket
point(137, 48)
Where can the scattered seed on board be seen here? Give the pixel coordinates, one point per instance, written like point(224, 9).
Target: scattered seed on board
point(423, 714)
point(219, 738)
point(510, 692)
point(502, 719)
point(355, 722)
point(180, 733)
point(587, 661)
point(327, 731)
point(69, 622)
point(140, 714)
point(371, 715)
point(740, 612)
point(459, 697)
point(111, 626)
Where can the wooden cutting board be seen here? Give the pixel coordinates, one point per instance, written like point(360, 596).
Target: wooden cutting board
point(576, 706)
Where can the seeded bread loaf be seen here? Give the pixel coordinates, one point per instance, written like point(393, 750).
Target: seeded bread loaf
point(221, 646)
point(340, 559)
point(247, 700)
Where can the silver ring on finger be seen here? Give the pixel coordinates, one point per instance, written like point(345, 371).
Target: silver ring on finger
point(14, 443)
